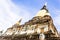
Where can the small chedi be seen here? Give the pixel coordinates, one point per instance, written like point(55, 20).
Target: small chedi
point(40, 27)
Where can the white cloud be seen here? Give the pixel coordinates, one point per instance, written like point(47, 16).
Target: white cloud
point(8, 14)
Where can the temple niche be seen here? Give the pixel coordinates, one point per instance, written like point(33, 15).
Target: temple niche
point(39, 27)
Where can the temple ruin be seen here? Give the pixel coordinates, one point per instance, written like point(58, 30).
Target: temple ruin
point(40, 27)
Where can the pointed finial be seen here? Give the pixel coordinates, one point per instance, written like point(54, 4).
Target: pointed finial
point(18, 22)
point(44, 7)
point(45, 3)
point(43, 11)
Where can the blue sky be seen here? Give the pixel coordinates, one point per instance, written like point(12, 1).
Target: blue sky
point(12, 10)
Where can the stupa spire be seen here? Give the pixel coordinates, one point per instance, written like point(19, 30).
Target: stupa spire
point(44, 11)
point(44, 7)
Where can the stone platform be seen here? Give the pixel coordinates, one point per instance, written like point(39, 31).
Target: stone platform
point(29, 37)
